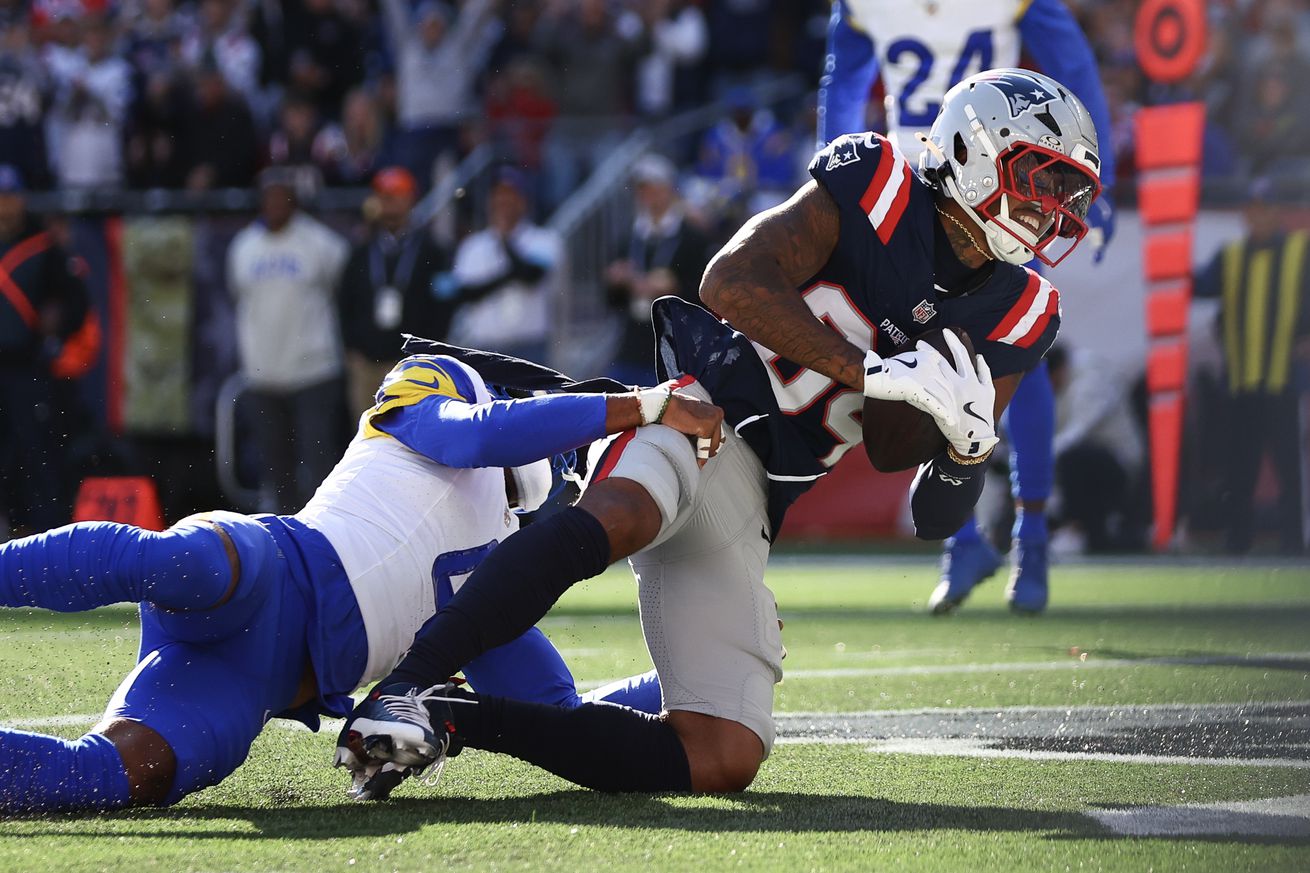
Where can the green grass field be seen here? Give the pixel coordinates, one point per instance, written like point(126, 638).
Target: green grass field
point(1142, 642)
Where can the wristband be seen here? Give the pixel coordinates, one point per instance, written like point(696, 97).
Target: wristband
point(652, 403)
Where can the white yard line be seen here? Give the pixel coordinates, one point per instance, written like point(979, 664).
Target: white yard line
point(1272, 816)
point(969, 748)
point(1090, 708)
point(50, 721)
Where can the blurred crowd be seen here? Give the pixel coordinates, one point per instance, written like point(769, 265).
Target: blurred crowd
point(201, 95)
point(1258, 116)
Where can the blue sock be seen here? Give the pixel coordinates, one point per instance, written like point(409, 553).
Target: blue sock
point(969, 532)
point(1030, 425)
point(82, 566)
point(641, 693)
point(1029, 527)
point(49, 774)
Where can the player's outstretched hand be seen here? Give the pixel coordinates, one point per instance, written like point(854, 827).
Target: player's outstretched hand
point(697, 419)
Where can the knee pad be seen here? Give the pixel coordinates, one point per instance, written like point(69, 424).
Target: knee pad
point(657, 458)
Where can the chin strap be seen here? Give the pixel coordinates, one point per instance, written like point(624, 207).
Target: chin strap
point(944, 176)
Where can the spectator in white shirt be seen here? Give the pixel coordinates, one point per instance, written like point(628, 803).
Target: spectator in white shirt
point(93, 90)
point(506, 276)
point(220, 34)
point(679, 38)
point(439, 54)
point(283, 272)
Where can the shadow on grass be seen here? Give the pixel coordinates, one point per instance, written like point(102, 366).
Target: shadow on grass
point(758, 812)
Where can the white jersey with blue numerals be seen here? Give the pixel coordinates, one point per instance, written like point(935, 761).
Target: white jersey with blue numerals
point(393, 515)
point(922, 48)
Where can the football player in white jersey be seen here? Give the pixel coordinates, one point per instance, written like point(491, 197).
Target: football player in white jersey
point(248, 618)
point(922, 48)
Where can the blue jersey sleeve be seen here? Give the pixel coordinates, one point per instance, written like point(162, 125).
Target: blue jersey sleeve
point(1052, 36)
point(432, 407)
point(849, 70)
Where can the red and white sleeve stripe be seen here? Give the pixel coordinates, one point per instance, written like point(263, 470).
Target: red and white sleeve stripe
point(1027, 319)
point(888, 194)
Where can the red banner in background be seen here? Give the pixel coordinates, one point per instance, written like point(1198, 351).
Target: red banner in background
point(853, 502)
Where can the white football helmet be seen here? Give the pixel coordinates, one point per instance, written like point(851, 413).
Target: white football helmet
point(1019, 152)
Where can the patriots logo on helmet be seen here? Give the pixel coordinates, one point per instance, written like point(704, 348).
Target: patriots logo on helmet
point(1023, 93)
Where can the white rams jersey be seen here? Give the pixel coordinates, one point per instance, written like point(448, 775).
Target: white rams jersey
point(924, 47)
point(403, 525)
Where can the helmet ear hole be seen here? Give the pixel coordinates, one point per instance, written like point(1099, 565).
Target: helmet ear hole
point(961, 150)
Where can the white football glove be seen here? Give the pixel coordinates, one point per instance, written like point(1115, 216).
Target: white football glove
point(960, 398)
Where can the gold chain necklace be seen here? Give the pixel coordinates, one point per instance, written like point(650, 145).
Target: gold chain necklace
point(986, 254)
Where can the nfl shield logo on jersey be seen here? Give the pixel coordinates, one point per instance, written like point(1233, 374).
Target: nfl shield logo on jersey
point(924, 312)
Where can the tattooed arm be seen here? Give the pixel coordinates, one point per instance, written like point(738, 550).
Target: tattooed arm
point(752, 283)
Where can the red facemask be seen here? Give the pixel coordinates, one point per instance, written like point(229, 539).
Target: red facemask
point(1044, 185)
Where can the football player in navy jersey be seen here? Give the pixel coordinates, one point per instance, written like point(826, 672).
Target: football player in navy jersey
point(248, 618)
point(921, 48)
point(814, 294)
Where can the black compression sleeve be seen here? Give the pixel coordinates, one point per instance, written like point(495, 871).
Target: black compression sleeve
point(942, 496)
point(596, 745)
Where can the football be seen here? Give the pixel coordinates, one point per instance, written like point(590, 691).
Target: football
point(896, 435)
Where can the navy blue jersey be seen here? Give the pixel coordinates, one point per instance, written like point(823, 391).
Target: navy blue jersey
point(891, 276)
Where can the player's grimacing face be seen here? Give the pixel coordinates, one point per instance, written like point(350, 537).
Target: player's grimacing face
point(1044, 194)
